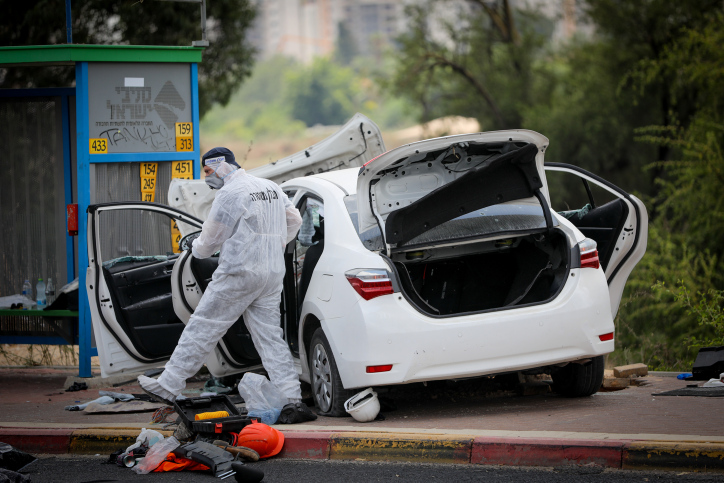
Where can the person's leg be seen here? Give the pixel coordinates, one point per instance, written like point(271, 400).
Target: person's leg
point(215, 314)
point(262, 319)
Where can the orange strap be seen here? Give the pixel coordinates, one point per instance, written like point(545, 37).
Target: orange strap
point(173, 463)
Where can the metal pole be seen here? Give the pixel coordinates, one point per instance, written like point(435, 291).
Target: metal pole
point(69, 23)
point(203, 20)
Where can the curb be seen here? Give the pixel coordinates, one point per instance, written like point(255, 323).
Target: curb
point(404, 447)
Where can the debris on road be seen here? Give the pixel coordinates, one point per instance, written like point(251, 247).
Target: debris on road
point(616, 382)
point(631, 370)
point(263, 400)
point(13, 459)
point(115, 402)
point(621, 377)
point(77, 386)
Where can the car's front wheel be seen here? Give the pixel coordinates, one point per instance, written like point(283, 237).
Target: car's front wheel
point(329, 393)
point(579, 380)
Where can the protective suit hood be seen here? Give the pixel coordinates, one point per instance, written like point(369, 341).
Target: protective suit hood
point(218, 178)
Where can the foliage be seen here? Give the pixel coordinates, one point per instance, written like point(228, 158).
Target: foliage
point(470, 59)
point(322, 93)
point(259, 108)
point(227, 60)
point(590, 123)
point(685, 254)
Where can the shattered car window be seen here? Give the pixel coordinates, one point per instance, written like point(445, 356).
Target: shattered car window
point(372, 238)
point(502, 218)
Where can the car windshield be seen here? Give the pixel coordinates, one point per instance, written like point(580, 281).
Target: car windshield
point(372, 238)
point(502, 218)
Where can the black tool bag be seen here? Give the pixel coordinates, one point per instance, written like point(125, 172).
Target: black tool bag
point(188, 408)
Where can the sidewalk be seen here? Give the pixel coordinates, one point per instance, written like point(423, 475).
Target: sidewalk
point(444, 423)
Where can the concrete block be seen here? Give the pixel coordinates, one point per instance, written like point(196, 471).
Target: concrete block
point(616, 382)
point(631, 370)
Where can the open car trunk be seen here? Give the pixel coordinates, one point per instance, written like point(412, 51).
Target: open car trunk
point(489, 275)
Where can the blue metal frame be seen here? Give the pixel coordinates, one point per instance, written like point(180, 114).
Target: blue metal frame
point(83, 184)
point(196, 160)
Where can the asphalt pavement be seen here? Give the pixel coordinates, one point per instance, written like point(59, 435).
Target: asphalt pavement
point(87, 469)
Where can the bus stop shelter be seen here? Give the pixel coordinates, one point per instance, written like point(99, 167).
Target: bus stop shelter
point(121, 133)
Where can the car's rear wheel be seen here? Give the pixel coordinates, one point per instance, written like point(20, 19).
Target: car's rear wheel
point(579, 380)
point(327, 389)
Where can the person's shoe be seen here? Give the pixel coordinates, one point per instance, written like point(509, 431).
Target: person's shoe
point(294, 413)
point(156, 391)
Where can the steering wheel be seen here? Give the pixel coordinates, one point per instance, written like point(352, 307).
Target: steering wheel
point(185, 243)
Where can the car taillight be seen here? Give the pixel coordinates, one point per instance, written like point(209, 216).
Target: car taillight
point(370, 283)
point(605, 337)
point(375, 369)
point(589, 253)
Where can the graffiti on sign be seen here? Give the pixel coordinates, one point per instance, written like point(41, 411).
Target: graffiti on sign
point(139, 113)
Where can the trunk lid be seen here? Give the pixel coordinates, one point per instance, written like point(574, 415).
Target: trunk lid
point(413, 189)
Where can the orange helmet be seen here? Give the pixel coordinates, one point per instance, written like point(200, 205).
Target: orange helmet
point(262, 438)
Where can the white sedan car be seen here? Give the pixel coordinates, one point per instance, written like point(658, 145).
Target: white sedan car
point(440, 259)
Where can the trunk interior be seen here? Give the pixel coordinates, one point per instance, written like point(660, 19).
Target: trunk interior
point(488, 275)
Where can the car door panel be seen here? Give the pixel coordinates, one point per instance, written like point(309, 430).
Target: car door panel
point(143, 307)
point(129, 284)
point(620, 227)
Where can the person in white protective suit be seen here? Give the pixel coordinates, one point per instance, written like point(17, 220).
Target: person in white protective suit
point(251, 221)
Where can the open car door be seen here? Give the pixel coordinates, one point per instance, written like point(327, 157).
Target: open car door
point(616, 220)
point(143, 287)
point(131, 254)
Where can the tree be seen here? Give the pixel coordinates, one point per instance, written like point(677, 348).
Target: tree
point(226, 62)
point(471, 59)
point(685, 258)
point(646, 30)
point(322, 93)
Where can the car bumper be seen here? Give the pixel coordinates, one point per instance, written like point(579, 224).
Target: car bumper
point(388, 330)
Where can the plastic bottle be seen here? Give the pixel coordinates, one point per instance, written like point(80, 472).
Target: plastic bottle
point(28, 289)
point(40, 291)
point(50, 292)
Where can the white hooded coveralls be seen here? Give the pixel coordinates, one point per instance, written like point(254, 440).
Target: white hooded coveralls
point(251, 221)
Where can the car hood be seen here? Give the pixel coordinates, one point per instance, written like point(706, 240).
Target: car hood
point(358, 141)
point(414, 188)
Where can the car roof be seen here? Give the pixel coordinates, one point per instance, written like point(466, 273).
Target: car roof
point(344, 178)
